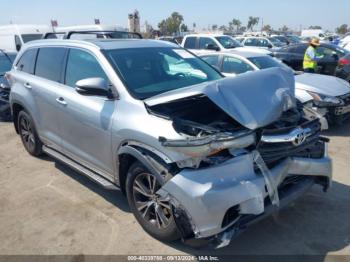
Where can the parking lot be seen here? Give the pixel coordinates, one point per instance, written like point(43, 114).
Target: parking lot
point(46, 208)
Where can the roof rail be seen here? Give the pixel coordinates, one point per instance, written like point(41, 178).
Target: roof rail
point(51, 34)
point(109, 34)
point(105, 33)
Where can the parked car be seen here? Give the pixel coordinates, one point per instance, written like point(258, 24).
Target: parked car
point(198, 157)
point(13, 37)
point(318, 33)
point(262, 42)
point(327, 96)
point(6, 60)
point(204, 43)
point(336, 60)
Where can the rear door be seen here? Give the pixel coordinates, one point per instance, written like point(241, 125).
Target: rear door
point(86, 120)
point(329, 61)
point(296, 56)
point(46, 86)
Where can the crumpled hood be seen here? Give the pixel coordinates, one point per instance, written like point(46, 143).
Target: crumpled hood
point(254, 99)
point(322, 84)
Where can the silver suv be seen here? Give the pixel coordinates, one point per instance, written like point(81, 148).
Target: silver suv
point(198, 157)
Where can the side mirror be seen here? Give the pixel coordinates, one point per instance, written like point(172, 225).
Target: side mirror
point(212, 47)
point(269, 46)
point(18, 47)
point(93, 87)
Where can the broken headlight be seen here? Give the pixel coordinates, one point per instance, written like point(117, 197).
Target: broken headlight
point(325, 101)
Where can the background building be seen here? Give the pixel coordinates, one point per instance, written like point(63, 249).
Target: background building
point(134, 22)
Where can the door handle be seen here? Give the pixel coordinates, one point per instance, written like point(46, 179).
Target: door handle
point(27, 85)
point(61, 101)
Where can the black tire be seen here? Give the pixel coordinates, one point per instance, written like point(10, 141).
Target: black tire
point(28, 133)
point(151, 222)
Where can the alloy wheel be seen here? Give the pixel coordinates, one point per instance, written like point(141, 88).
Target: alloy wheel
point(152, 208)
point(27, 133)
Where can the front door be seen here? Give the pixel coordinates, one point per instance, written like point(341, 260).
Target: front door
point(86, 120)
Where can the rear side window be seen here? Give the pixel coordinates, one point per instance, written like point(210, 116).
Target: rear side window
point(27, 61)
point(50, 62)
point(190, 43)
point(235, 65)
point(82, 65)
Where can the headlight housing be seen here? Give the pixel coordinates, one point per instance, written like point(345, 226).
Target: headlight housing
point(325, 101)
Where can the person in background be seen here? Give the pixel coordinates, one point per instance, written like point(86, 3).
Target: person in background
point(311, 57)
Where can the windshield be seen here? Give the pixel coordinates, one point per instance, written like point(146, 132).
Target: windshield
point(31, 37)
point(264, 62)
point(5, 64)
point(148, 72)
point(228, 42)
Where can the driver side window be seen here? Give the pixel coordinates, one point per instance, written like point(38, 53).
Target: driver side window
point(204, 42)
point(325, 51)
point(81, 65)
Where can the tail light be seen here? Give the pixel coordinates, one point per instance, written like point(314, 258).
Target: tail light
point(344, 61)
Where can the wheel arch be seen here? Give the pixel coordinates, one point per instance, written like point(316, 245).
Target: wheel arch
point(16, 107)
point(129, 153)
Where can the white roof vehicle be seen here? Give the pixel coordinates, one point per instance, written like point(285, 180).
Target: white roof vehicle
point(204, 43)
point(13, 37)
point(344, 42)
point(319, 33)
point(262, 42)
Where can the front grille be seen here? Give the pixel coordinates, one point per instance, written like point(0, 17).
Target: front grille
point(273, 153)
point(345, 98)
point(4, 96)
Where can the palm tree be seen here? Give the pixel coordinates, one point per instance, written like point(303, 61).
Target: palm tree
point(252, 21)
point(237, 23)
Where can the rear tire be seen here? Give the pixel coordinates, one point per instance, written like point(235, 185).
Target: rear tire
point(29, 135)
point(153, 213)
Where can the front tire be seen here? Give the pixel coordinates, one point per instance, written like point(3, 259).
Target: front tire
point(153, 213)
point(28, 133)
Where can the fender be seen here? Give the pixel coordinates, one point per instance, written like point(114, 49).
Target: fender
point(146, 158)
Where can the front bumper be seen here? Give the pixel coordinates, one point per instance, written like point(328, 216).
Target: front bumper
point(206, 195)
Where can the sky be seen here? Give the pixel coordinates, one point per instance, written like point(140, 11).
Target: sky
point(294, 13)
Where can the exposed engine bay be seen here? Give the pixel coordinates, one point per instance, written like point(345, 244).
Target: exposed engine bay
point(211, 136)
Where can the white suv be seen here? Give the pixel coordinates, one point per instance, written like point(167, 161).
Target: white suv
point(204, 43)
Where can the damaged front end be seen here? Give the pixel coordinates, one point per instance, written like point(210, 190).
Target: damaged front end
point(247, 150)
